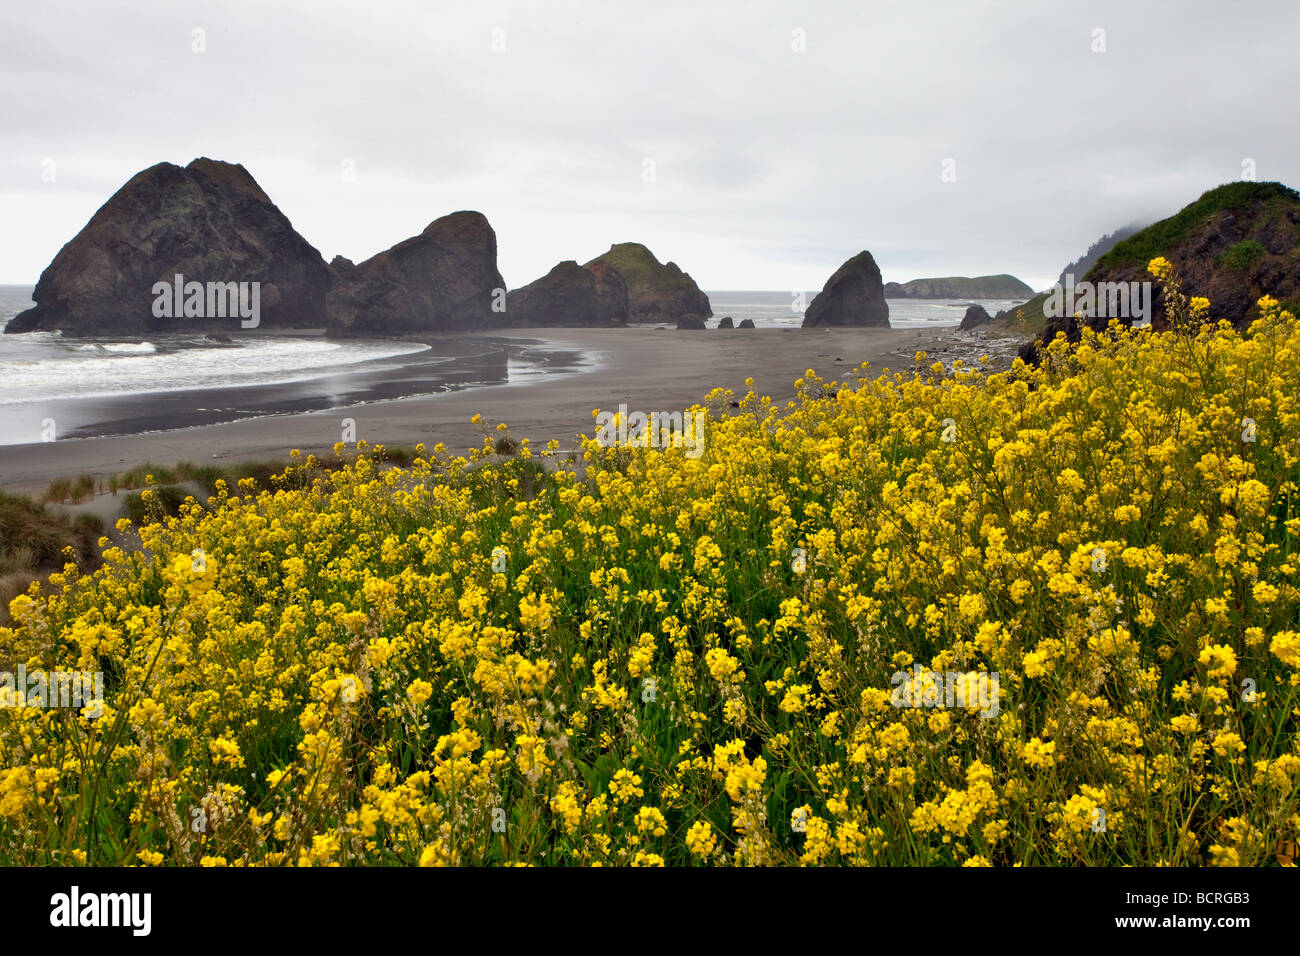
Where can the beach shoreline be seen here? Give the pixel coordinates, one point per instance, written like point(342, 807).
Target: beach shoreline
point(648, 369)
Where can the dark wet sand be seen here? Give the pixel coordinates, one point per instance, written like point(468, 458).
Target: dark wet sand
point(453, 362)
point(648, 369)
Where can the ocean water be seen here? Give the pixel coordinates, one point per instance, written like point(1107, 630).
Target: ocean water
point(91, 387)
point(48, 366)
point(780, 310)
point(155, 382)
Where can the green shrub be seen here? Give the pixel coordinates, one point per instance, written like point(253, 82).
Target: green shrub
point(1240, 256)
point(154, 504)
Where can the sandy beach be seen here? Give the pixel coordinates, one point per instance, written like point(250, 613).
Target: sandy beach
point(648, 369)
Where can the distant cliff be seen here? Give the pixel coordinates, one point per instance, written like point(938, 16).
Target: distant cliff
point(960, 287)
point(1030, 315)
point(1080, 266)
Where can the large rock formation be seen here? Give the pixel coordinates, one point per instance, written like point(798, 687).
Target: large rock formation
point(444, 279)
point(569, 295)
point(854, 295)
point(208, 221)
point(976, 315)
point(656, 292)
point(611, 293)
point(960, 287)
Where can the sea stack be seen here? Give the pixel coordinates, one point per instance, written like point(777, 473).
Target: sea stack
point(569, 295)
point(976, 315)
point(444, 279)
point(853, 296)
point(208, 222)
point(611, 293)
point(656, 292)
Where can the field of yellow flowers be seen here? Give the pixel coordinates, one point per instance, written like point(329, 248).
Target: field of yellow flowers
point(646, 658)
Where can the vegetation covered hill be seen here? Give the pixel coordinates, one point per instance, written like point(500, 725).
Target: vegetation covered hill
point(655, 291)
point(1028, 318)
point(960, 287)
point(1233, 245)
point(1246, 207)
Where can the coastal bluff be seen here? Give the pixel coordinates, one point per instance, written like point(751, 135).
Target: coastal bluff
point(1233, 245)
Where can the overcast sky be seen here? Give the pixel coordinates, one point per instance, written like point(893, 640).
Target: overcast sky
point(769, 165)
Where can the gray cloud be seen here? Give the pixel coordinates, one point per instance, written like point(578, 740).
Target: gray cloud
point(771, 166)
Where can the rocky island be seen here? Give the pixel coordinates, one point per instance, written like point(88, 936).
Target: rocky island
point(656, 292)
point(960, 287)
point(853, 295)
point(444, 279)
point(209, 222)
point(570, 295)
